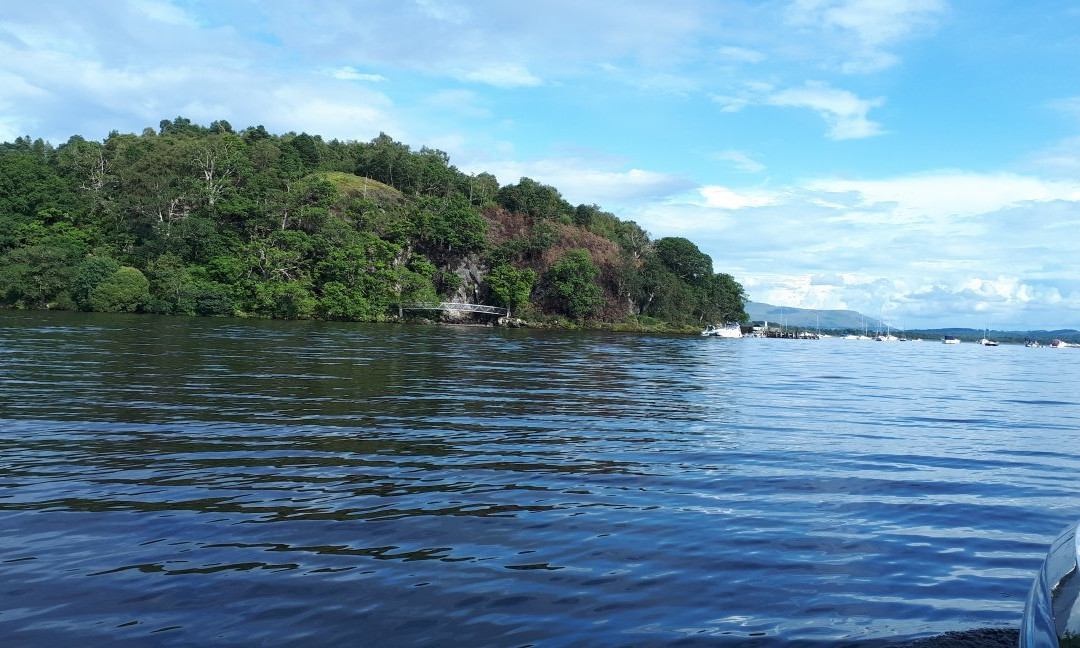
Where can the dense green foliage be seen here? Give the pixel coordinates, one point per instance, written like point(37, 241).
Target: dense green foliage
point(197, 220)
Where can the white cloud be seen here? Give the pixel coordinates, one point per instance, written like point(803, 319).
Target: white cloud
point(730, 104)
point(355, 116)
point(461, 102)
point(937, 198)
point(669, 83)
point(445, 10)
point(1069, 106)
point(845, 113)
point(588, 180)
point(164, 12)
point(502, 75)
point(947, 248)
point(10, 128)
point(742, 161)
point(349, 73)
point(740, 55)
point(861, 29)
point(723, 198)
point(1060, 160)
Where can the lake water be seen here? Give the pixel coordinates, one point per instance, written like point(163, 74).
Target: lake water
point(175, 481)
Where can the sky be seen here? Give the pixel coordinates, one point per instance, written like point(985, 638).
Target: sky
point(914, 160)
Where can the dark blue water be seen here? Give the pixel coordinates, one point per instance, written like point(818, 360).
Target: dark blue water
point(173, 481)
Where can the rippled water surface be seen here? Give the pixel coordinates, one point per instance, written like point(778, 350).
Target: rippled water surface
point(173, 481)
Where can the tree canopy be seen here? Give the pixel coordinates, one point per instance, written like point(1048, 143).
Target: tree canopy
point(209, 220)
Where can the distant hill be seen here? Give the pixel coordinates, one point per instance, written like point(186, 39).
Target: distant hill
point(839, 320)
point(830, 320)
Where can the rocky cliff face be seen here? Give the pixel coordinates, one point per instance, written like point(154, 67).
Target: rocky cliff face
point(472, 271)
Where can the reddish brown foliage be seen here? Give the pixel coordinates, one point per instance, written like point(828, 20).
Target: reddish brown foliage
point(505, 226)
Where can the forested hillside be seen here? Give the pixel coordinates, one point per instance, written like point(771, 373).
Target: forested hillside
point(201, 220)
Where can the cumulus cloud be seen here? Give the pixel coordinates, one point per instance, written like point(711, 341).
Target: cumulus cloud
point(923, 250)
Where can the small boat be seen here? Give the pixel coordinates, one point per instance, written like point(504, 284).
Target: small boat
point(950, 339)
point(986, 342)
point(1032, 344)
point(1062, 344)
point(1050, 611)
point(726, 331)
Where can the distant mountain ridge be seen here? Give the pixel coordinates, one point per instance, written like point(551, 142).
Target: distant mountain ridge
point(811, 318)
point(840, 320)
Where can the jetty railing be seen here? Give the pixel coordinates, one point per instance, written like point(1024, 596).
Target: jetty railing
point(457, 307)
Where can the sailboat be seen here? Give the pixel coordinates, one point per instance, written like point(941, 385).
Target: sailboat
point(888, 337)
point(986, 341)
point(864, 336)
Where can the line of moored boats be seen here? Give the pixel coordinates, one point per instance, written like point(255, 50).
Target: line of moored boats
point(735, 330)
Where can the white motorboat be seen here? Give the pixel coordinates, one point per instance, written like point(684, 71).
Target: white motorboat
point(726, 331)
point(950, 339)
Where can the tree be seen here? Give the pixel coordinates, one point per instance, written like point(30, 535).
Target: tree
point(482, 188)
point(511, 287)
point(573, 280)
point(727, 299)
point(533, 199)
point(173, 290)
point(37, 272)
point(684, 259)
point(125, 291)
point(448, 228)
point(88, 275)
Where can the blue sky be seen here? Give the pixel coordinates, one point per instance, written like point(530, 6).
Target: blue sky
point(917, 160)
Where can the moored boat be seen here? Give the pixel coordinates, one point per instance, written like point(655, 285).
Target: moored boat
point(950, 339)
point(986, 341)
point(726, 331)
